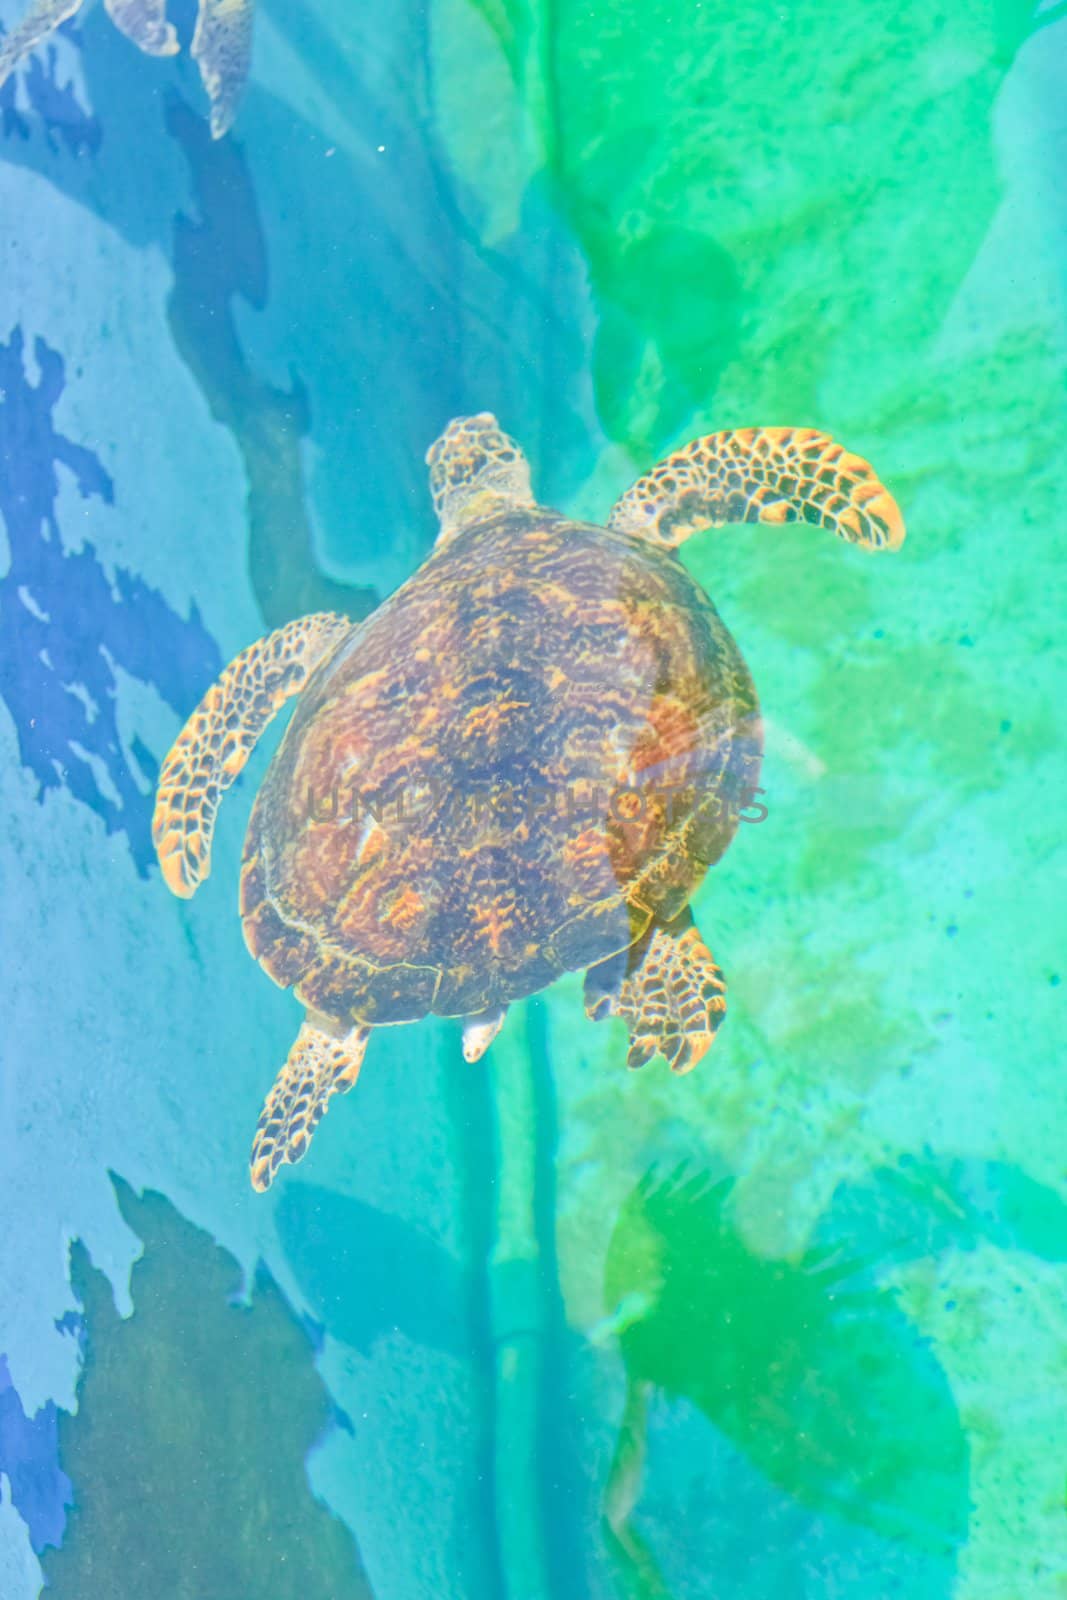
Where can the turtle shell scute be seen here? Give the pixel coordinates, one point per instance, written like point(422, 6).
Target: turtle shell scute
point(504, 774)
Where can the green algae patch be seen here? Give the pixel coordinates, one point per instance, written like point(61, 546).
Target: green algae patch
point(809, 1368)
point(776, 208)
point(188, 1448)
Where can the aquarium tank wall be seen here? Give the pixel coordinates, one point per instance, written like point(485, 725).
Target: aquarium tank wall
point(520, 1322)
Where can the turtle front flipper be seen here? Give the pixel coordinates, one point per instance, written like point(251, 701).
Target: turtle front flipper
point(320, 1064)
point(145, 22)
point(761, 475)
point(668, 991)
point(222, 47)
point(40, 20)
point(220, 736)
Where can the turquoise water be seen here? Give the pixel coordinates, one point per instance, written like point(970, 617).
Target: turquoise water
point(793, 1325)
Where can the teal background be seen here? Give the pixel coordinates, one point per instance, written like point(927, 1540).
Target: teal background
point(795, 1325)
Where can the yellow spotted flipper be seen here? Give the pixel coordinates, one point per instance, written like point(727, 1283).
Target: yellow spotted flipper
point(669, 992)
point(220, 736)
point(761, 475)
point(320, 1064)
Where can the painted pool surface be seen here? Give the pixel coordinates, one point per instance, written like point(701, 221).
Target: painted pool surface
point(794, 1325)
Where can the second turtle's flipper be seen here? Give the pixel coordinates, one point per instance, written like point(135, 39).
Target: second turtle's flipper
point(668, 991)
point(761, 475)
point(220, 736)
point(43, 17)
point(319, 1065)
point(145, 22)
point(222, 46)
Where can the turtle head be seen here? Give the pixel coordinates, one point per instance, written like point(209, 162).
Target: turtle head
point(476, 470)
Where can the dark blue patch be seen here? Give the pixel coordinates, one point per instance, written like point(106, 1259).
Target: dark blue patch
point(183, 14)
point(219, 259)
point(65, 625)
point(29, 1455)
point(194, 1418)
point(367, 1274)
point(64, 119)
point(436, 324)
point(73, 1322)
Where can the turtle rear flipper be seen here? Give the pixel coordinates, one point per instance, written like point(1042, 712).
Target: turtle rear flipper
point(668, 991)
point(320, 1064)
point(220, 736)
point(761, 475)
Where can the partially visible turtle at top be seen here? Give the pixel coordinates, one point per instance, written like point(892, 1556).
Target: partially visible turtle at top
point(522, 764)
point(222, 43)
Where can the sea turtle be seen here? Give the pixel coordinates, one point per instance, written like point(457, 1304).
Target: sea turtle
point(521, 764)
point(222, 42)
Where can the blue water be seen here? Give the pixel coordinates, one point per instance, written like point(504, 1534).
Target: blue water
point(791, 1326)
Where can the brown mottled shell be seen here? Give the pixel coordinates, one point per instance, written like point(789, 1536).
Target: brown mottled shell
point(541, 740)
